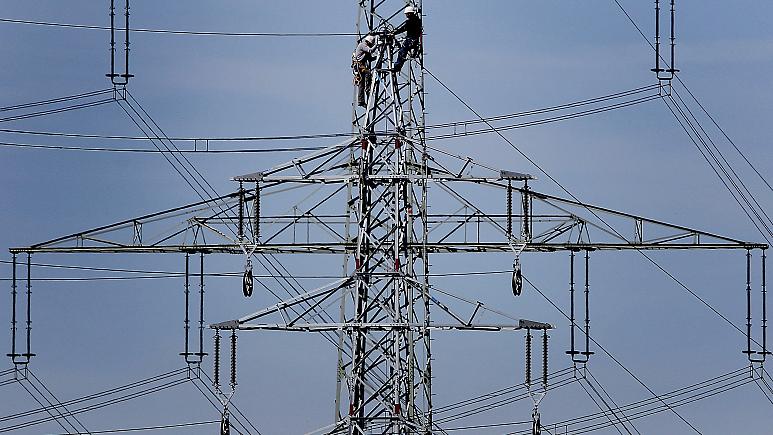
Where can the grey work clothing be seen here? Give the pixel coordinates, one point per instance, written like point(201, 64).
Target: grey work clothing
point(363, 53)
point(361, 58)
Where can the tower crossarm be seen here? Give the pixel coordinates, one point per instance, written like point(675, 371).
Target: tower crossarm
point(556, 224)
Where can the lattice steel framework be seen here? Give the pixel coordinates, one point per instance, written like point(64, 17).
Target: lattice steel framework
point(381, 305)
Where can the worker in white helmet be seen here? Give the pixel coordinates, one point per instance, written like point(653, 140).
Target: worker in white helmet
point(412, 29)
point(361, 67)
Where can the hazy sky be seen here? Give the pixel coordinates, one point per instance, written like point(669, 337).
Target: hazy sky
point(501, 57)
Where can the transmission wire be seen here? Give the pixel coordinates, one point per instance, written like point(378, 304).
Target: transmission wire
point(178, 32)
point(761, 209)
point(611, 356)
point(611, 399)
point(734, 194)
point(148, 428)
point(695, 98)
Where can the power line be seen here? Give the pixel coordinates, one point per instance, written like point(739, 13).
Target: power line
point(716, 124)
point(604, 412)
point(58, 110)
point(171, 274)
point(206, 140)
point(55, 100)
point(620, 364)
point(587, 370)
point(180, 139)
point(586, 206)
point(147, 428)
point(566, 117)
point(179, 32)
point(734, 193)
point(540, 111)
point(732, 171)
point(695, 98)
point(156, 151)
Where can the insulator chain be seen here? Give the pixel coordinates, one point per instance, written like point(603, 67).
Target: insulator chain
point(241, 211)
point(545, 337)
point(526, 207)
point(256, 214)
point(537, 396)
point(528, 357)
point(233, 360)
point(216, 377)
point(510, 209)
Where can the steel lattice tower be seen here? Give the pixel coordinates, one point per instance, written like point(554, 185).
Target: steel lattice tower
point(390, 376)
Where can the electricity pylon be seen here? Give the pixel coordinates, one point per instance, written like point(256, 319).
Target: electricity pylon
point(382, 312)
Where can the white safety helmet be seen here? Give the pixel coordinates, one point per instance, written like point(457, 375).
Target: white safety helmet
point(409, 10)
point(370, 39)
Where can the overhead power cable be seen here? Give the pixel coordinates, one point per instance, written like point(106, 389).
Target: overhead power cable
point(695, 98)
point(719, 169)
point(627, 420)
point(540, 111)
point(682, 397)
point(155, 151)
point(55, 100)
point(723, 164)
point(716, 124)
point(164, 377)
point(604, 411)
point(178, 32)
point(50, 412)
point(620, 364)
point(146, 428)
point(203, 189)
point(587, 207)
point(180, 139)
point(562, 188)
point(635, 410)
point(172, 274)
point(57, 110)
point(57, 405)
point(455, 125)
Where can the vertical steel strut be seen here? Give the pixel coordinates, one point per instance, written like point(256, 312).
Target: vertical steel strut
point(672, 68)
point(187, 322)
point(113, 75)
point(201, 354)
point(762, 348)
point(28, 355)
point(13, 353)
point(573, 352)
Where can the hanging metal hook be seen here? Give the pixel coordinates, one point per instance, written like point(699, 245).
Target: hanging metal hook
point(248, 282)
point(517, 282)
point(517, 279)
point(225, 425)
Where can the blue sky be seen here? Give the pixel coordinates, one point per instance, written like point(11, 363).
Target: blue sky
point(501, 57)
